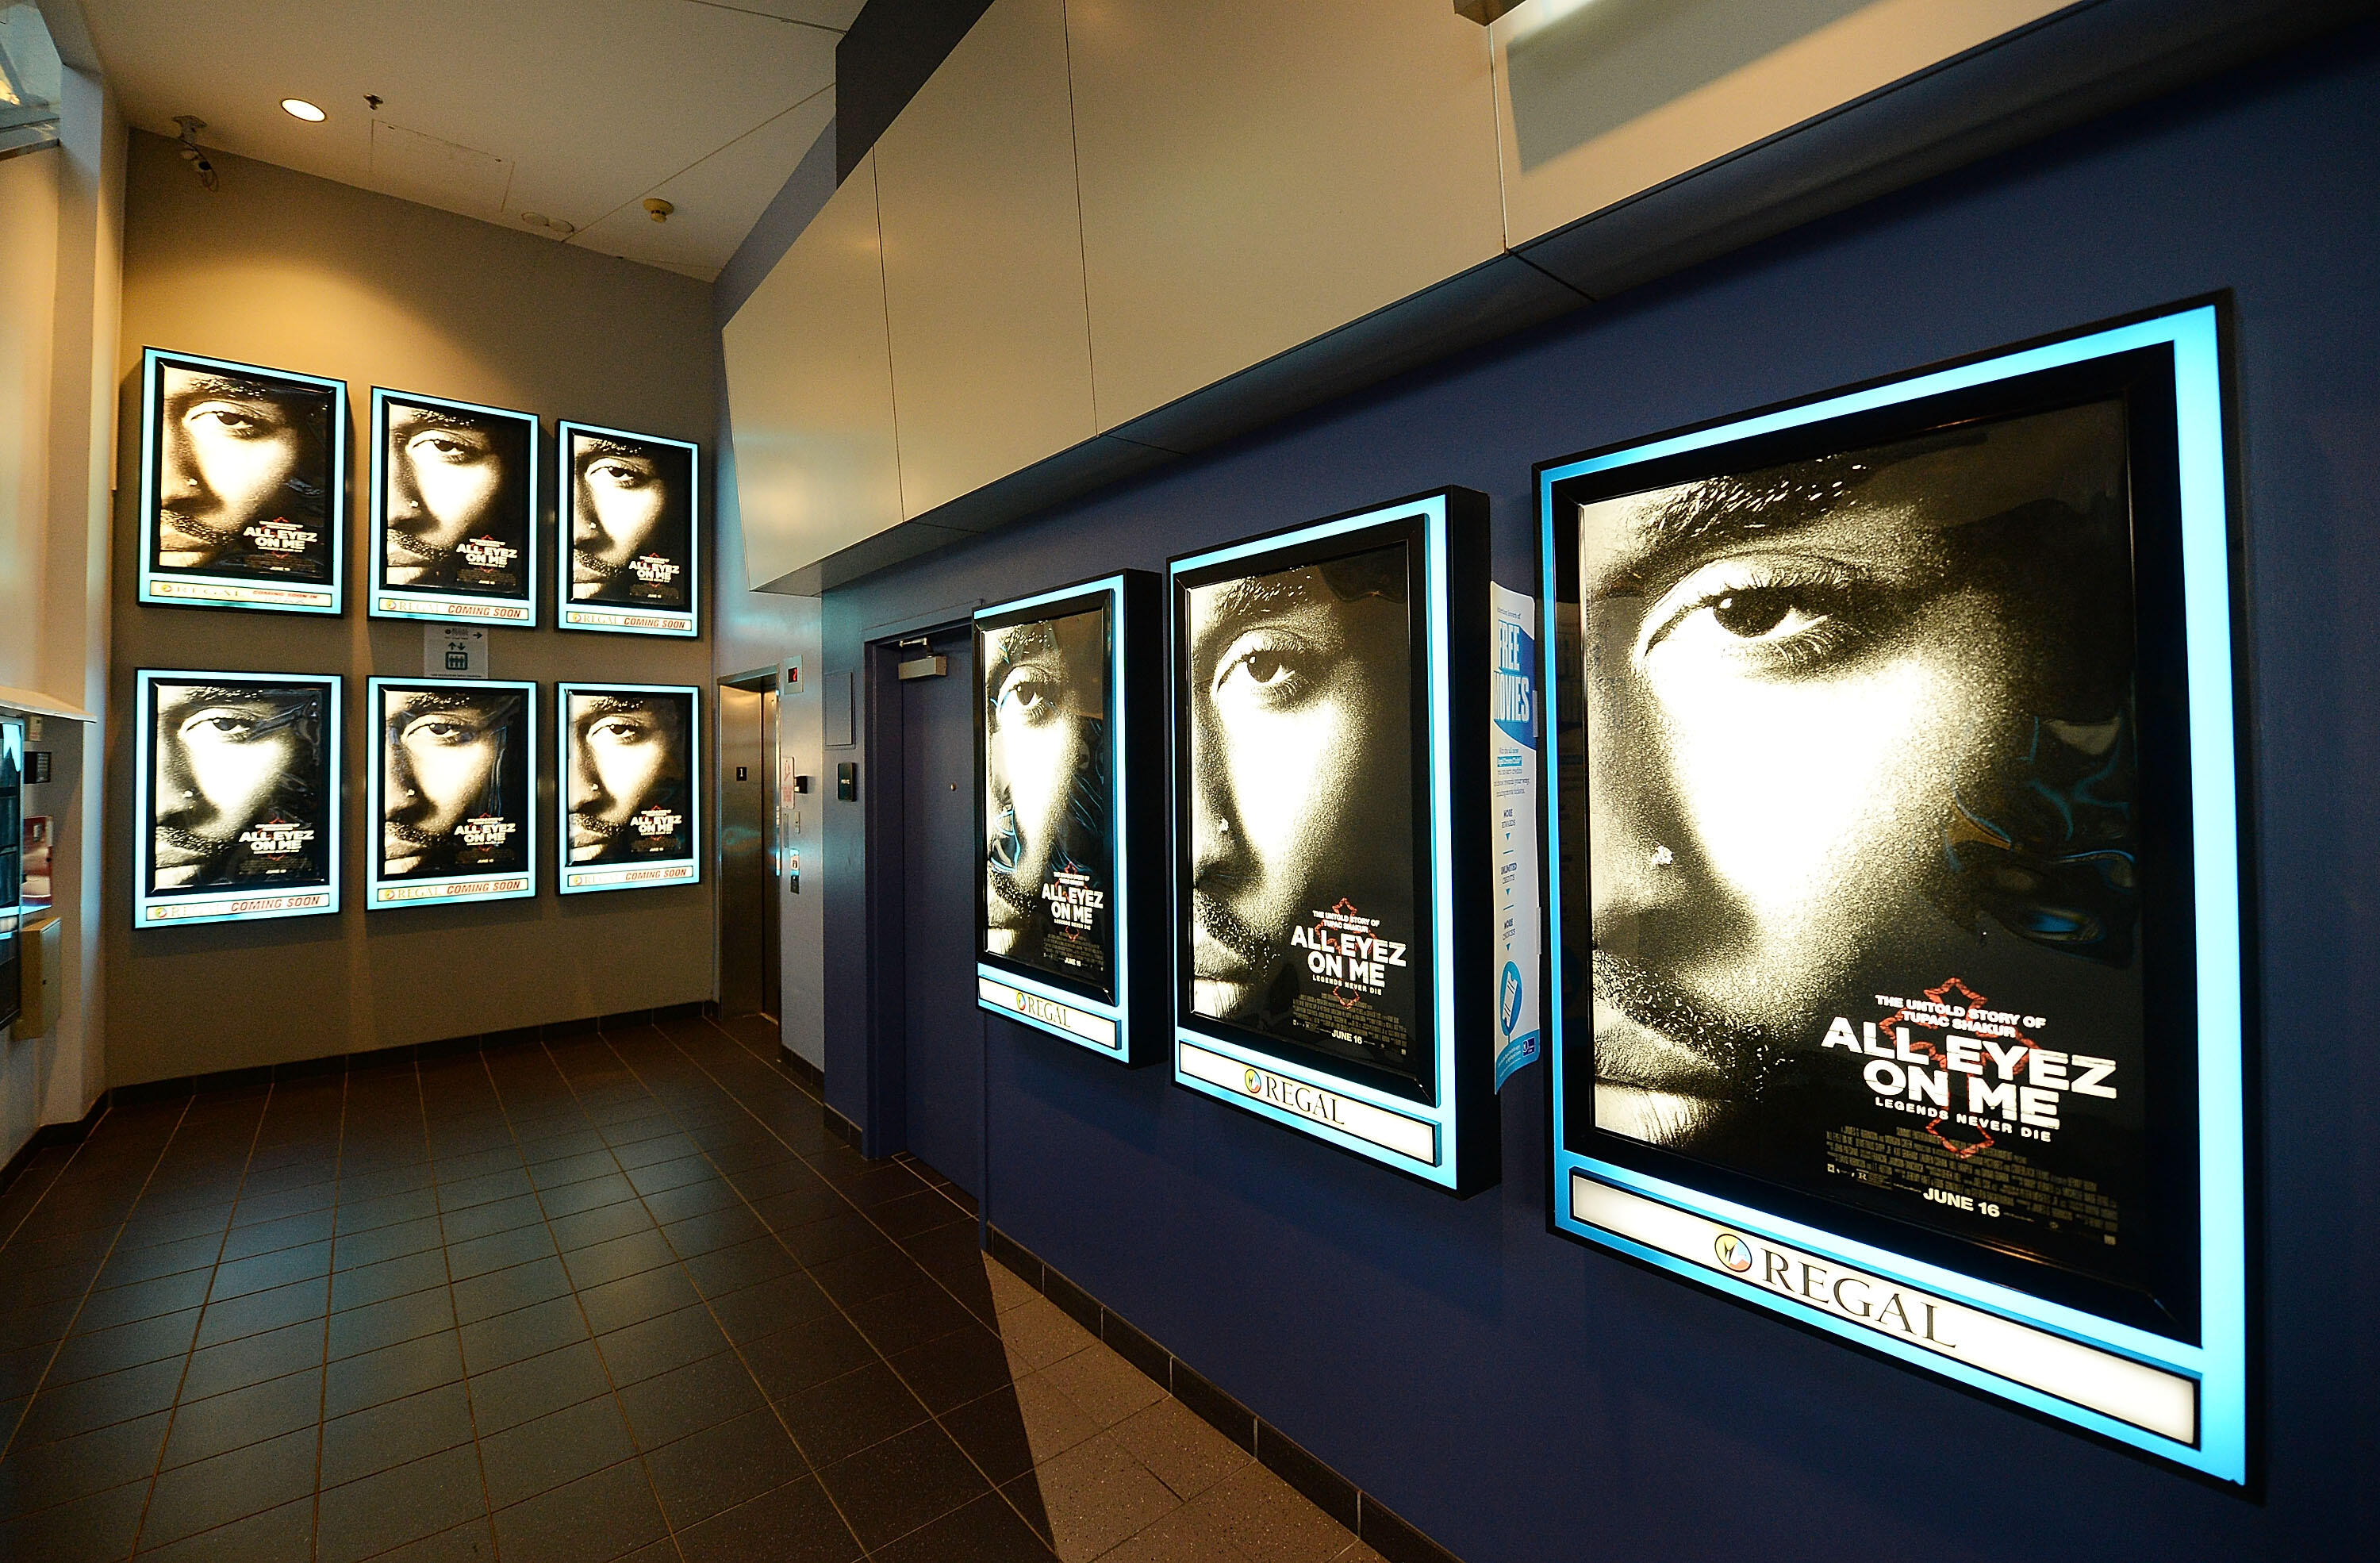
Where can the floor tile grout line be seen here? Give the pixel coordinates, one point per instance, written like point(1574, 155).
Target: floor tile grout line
point(810, 1468)
point(9, 1444)
point(936, 1417)
point(329, 1283)
point(611, 1381)
point(446, 1258)
point(73, 1153)
point(174, 1413)
point(815, 1471)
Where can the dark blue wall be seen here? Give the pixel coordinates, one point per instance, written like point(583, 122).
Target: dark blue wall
point(1522, 1397)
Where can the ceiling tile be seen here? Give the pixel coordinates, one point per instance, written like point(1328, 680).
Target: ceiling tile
point(587, 104)
point(717, 200)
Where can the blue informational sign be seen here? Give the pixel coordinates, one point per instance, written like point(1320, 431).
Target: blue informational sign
point(1895, 890)
point(1512, 794)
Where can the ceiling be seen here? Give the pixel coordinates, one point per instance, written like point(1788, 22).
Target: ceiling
point(553, 117)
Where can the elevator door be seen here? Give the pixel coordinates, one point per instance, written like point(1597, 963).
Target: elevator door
point(749, 962)
point(945, 1031)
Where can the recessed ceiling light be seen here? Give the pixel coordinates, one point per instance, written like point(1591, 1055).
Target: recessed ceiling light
point(299, 108)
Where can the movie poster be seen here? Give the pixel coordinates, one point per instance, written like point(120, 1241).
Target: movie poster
point(1305, 891)
point(1048, 796)
point(454, 792)
point(1862, 815)
point(631, 782)
point(628, 532)
point(243, 498)
point(236, 796)
point(454, 511)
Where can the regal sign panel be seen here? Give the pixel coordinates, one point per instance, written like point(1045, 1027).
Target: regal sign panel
point(243, 486)
point(1896, 931)
point(1333, 873)
point(454, 511)
point(454, 792)
point(629, 549)
point(1069, 807)
point(236, 796)
point(630, 802)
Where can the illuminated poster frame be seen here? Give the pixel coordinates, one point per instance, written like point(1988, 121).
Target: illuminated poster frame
point(1437, 1121)
point(659, 873)
point(1995, 1318)
point(177, 909)
point(512, 609)
point(385, 893)
point(199, 588)
point(1095, 1016)
point(613, 618)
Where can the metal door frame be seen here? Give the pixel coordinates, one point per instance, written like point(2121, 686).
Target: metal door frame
point(883, 801)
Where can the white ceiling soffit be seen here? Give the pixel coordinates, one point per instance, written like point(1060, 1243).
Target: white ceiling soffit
point(573, 112)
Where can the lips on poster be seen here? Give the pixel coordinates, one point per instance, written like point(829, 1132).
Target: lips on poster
point(456, 791)
point(455, 491)
point(627, 532)
point(243, 495)
point(631, 773)
point(1302, 884)
point(1862, 800)
point(239, 796)
point(1049, 891)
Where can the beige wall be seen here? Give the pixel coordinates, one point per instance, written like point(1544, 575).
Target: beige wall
point(60, 220)
point(284, 270)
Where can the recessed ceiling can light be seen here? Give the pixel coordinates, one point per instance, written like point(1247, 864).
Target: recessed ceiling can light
point(299, 108)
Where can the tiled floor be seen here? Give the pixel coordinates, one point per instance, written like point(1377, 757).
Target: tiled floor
point(618, 1296)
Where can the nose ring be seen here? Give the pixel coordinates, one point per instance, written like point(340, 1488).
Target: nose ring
point(189, 792)
point(1662, 856)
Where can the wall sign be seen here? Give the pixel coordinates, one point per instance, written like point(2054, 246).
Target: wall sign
point(236, 796)
point(453, 795)
point(243, 485)
point(630, 803)
point(1512, 794)
point(1332, 857)
point(628, 548)
point(1896, 976)
point(454, 511)
point(1067, 727)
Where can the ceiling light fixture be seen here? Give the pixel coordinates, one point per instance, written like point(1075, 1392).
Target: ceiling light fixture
point(299, 108)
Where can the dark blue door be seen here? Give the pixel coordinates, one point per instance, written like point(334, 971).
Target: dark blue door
point(938, 859)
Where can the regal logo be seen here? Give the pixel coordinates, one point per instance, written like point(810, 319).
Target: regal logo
point(1734, 1252)
point(1256, 1083)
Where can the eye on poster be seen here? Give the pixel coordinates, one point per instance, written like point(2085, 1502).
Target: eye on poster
point(454, 510)
point(1895, 921)
point(628, 545)
point(1333, 871)
point(454, 792)
point(236, 796)
point(243, 485)
point(630, 800)
point(1064, 685)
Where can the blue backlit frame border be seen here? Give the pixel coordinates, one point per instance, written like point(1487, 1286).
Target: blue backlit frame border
point(438, 607)
point(675, 624)
point(1122, 706)
point(1466, 1151)
point(692, 861)
point(144, 775)
point(376, 734)
point(2220, 1362)
point(335, 522)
